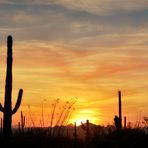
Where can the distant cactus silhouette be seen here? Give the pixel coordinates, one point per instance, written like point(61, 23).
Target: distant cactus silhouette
point(19, 127)
point(125, 122)
point(22, 121)
point(1, 125)
point(75, 134)
point(120, 110)
point(21, 124)
point(7, 109)
point(118, 119)
point(87, 130)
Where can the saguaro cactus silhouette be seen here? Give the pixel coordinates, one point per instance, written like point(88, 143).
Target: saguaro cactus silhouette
point(7, 109)
point(75, 134)
point(125, 122)
point(22, 121)
point(120, 110)
point(87, 130)
point(118, 119)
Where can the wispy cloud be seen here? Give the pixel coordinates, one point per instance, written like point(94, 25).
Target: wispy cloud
point(105, 7)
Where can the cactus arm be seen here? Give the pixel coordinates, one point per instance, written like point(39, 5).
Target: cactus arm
point(1, 108)
point(19, 99)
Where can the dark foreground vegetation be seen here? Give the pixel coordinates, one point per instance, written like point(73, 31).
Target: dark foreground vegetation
point(102, 138)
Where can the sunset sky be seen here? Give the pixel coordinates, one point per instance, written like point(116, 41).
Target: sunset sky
point(85, 49)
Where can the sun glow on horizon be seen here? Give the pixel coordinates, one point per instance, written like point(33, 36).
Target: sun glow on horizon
point(83, 115)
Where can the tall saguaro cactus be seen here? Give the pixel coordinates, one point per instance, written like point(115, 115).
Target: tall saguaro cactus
point(120, 110)
point(118, 119)
point(7, 109)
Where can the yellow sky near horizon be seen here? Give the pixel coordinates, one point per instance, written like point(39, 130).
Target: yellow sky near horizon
point(93, 77)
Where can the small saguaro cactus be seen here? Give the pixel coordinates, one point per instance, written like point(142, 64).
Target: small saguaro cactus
point(1, 125)
point(75, 133)
point(125, 122)
point(87, 130)
point(7, 109)
point(19, 127)
point(22, 121)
